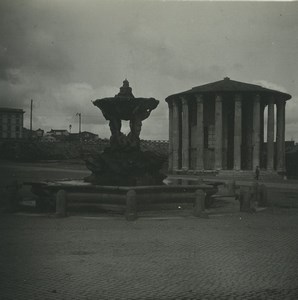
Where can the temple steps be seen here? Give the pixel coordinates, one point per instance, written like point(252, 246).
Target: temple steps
point(246, 175)
point(249, 175)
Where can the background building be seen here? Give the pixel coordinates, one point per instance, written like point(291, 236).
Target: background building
point(33, 134)
point(11, 123)
point(58, 132)
point(220, 126)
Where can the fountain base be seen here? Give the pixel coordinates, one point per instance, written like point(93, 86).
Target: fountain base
point(125, 168)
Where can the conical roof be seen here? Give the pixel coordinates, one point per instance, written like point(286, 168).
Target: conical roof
point(230, 86)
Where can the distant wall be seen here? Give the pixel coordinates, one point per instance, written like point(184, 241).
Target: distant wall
point(158, 146)
point(32, 150)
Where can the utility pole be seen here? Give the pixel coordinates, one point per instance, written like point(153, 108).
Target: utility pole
point(80, 138)
point(79, 114)
point(31, 109)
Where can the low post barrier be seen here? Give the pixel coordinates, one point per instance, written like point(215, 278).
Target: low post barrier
point(263, 196)
point(255, 191)
point(61, 203)
point(244, 198)
point(122, 199)
point(247, 199)
point(131, 206)
point(231, 187)
point(199, 205)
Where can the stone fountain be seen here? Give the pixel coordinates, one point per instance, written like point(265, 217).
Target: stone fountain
point(123, 163)
point(124, 178)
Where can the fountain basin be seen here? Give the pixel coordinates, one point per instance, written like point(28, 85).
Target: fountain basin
point(117, 198)
point(125, 108)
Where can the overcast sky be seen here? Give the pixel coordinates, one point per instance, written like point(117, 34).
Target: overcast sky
point(65, 53)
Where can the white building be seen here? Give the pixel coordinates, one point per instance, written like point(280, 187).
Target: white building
point(58, 132)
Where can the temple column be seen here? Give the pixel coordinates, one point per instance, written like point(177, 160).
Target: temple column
point(262, 161)
point(270, 135)
point(175, 135)
point(170, 159)
point(248, 123)
point(225, 130)
point(218, 132)
point(200, 134)
point(256, 132)
point(237, 132)
point(280, 136)
point(284, 137)
point(185, 135)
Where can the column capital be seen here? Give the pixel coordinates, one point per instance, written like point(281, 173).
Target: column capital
point(199, 98)
point(271, 100)
point(257, 98)
point(175, 102)
point(183, 100)
point(218, 98)
point(281, 103)
point(238, 97)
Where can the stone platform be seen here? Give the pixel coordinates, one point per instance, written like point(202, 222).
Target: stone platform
point(228, 174)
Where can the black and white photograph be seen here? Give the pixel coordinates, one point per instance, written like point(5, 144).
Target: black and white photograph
point(148, 150)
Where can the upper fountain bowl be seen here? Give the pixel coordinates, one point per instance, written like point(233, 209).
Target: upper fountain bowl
point(125, 106)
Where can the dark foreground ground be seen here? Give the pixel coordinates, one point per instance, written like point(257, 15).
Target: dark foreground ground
point(239, 256)
point(159, 256)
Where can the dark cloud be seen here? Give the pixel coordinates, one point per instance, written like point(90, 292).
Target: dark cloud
point(29, 40)
point(31, 59)
point(63, 54)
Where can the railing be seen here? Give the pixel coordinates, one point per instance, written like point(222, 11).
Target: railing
point(130, 200)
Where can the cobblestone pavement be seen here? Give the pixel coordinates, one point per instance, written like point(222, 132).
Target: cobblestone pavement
point(239, 256)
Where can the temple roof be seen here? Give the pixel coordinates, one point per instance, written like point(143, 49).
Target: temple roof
point(228, 85)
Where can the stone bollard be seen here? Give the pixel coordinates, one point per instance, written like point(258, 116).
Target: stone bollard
point(241, 197)
point(131, 206)
point(231, 187)
point(185, 182)
point(255, 191)
point(263, 195)
point(200, 181)
point(247, 200)
point(245, 196)
point(61, 203)
point(199, 205)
